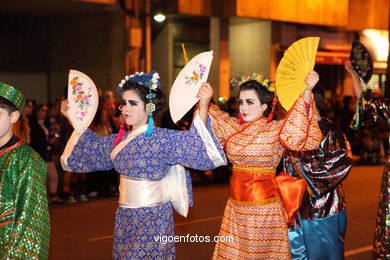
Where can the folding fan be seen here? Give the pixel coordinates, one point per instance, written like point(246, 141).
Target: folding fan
point(361, 61)
point(292, 70)
point(187, 84)
point(83, 100)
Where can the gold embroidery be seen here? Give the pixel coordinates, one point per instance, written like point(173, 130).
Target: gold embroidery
point(253, 169)
point(255, 203)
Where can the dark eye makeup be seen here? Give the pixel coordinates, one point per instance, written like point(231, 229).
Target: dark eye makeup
point(131, 102)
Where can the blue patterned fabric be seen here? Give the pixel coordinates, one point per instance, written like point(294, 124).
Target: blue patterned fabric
point(148, 158)
point(142, 226)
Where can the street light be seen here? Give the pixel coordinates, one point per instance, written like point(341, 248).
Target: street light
point(379, 40)
point(159, 17)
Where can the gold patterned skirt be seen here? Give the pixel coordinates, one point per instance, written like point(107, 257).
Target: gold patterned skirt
point(253, 228)
point(258, 232)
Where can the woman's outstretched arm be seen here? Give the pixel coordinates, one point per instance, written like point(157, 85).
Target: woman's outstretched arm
point(357, 87)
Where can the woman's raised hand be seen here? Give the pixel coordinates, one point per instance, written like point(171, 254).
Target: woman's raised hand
point(348, 66)
point(205, 94)
point(64, 109)
point(311, 80)
point(357, 87)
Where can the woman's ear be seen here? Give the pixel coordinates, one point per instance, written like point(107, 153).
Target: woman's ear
point(15, 116)
point(264, 107)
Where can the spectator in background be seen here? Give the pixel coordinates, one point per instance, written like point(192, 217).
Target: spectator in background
point(232, 106)
point(41, 143)
point(57, 125)
point(98, 182)
point(22, 126)
point(111, 106)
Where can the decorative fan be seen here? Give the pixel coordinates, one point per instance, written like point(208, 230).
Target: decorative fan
point(297, 61)
point(361, 61)
point(187, 84)
point(83, 100)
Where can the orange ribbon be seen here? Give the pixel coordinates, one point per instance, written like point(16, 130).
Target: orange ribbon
point(291, 190)
point(256, 184)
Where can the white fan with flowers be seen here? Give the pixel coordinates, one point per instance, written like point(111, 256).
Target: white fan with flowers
point(187, 84)
point(83, 100)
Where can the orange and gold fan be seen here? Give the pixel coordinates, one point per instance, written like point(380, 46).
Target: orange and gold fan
point(292, 70)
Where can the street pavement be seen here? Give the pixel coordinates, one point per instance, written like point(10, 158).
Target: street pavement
point(85, 230)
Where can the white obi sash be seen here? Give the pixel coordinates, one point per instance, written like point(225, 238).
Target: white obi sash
point(137, 192)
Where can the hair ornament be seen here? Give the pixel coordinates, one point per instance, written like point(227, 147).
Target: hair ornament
point(259, 77)
point(151, 81)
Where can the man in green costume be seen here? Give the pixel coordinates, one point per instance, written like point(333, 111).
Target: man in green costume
point(24, 214)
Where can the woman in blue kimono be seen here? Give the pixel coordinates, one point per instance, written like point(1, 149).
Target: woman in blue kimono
point(147, 159)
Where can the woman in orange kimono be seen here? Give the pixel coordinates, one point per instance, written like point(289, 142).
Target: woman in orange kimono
point(255, 215)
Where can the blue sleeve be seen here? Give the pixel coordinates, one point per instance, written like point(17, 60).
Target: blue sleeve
point(197, 148)
point(91, 153)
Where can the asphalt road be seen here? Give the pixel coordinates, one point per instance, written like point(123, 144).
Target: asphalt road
point(84, 230)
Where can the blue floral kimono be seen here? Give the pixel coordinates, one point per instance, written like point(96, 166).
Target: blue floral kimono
point(137, 230)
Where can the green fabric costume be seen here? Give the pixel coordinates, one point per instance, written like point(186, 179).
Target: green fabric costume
point(24, 213)
point(24, 216)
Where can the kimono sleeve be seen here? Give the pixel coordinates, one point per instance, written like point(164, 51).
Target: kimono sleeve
point(222, 123)
point(370, 110)
point(197, 148)
point(330, 165)
point(88, 152)
point(300, 130)
point(30, 223)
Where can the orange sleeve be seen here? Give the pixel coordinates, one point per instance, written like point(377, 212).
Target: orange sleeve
point(300, 130)
point(222, 123)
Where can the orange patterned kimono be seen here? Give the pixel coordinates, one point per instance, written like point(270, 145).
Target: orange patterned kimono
point(254, 215)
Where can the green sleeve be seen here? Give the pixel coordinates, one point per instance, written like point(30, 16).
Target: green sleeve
point(31, 224)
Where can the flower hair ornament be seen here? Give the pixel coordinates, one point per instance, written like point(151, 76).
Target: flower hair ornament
point(151, 81)
point(259, 77)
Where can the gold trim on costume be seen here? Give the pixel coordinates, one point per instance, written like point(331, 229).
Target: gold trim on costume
point(254, 169)
point(255, 203)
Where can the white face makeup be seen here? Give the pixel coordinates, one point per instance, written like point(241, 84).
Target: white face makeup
point(133, 109)
point(250, 106)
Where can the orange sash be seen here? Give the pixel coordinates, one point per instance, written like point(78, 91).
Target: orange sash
point(256, 185)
